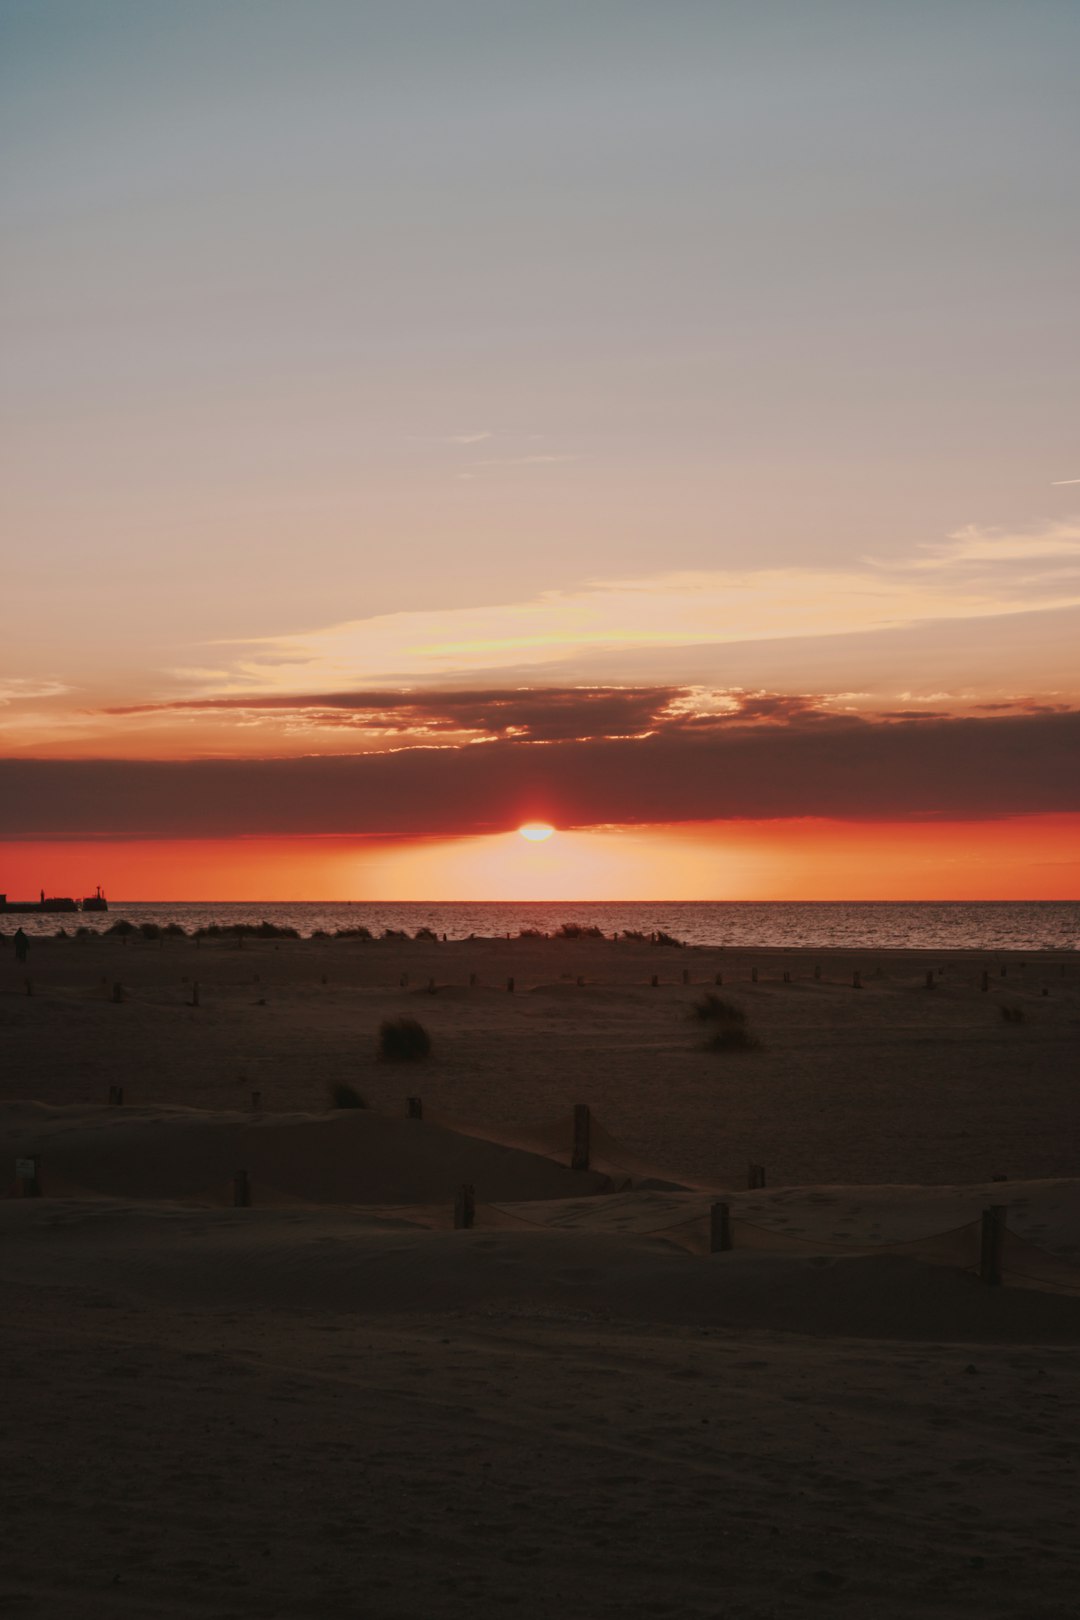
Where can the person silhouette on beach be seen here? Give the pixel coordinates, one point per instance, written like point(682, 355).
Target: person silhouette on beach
point(22, 945)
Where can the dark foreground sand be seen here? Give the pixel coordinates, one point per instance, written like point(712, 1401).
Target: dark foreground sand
point(328, 1404)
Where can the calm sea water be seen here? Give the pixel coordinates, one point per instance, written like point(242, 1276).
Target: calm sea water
point(983, 925)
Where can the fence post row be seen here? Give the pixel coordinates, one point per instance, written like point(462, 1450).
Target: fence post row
point(719, 1228)
point(579, 1157)
point(992, 1244)
point(464, 1208)
point(28, 1178)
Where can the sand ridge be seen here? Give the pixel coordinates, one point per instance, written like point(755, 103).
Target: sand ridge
point(331, 1403)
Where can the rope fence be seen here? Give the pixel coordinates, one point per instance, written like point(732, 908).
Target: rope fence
point(984, 1246)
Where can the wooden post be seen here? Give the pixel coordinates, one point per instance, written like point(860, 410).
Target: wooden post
point(753, 975)
point(579, 1156)
point(719, 979)
point(472, 981)
point(195, 994)
point(256, 1100)
point(755, 1176)
point(1004, 970)
point(464, 1208)
point(510, 985)
point(930, 978)
point(29, 987)
point(856, 980)
point(28, 1178)
point(686, 975)
point(431, 987)
point(403, 981)
point(993, 1233)
point(817, 970)
point(241, 1186)
point(655, 980)
point(118, 989)
point(719, 1229)
point(116, 1096)
point(414, 1107)
point(787, 977)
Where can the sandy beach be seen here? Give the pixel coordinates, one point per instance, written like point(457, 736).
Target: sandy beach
point(332, 1403)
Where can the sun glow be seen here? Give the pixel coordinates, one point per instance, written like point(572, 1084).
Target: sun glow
point(536, 831)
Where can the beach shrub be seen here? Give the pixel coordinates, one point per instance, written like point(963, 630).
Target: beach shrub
point(531, 933)
point(579, 931)
point(121, 926)
point(175, 931)
point(343, 1095)
point(359, 932)
point(660, 938)
point(403, 1040)
point(733, 1038)
point(262, 930)
point(394, 933)
point(633, 933)
point(150, 930)
point(426, 933)
point(1013, 1015)
point(715, 1009)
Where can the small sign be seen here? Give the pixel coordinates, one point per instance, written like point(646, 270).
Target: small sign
point(26, 1169)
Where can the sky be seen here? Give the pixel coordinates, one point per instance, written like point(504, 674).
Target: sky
point(421, 418)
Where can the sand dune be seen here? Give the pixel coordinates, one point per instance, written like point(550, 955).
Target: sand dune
point(331, 1403)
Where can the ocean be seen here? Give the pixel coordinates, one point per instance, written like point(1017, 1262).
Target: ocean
point(1025, 925)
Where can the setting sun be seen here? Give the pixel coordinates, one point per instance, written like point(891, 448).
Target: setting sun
point(536, 831)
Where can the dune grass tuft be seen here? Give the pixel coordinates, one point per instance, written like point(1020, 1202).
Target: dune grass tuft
point(403, 1040)
point(714, 1009)
point(343, 1095)
point(731, 1032)
point(733, 1038)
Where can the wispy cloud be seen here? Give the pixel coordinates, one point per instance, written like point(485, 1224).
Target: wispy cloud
point(470, 438)
point(523, 461)
point(973, 574)
point(992, 546)
point(17, 689)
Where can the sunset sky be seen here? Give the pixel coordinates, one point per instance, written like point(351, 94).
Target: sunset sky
point(655, 419)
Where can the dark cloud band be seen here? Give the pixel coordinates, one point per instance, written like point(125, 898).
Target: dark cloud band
point(969, 768)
